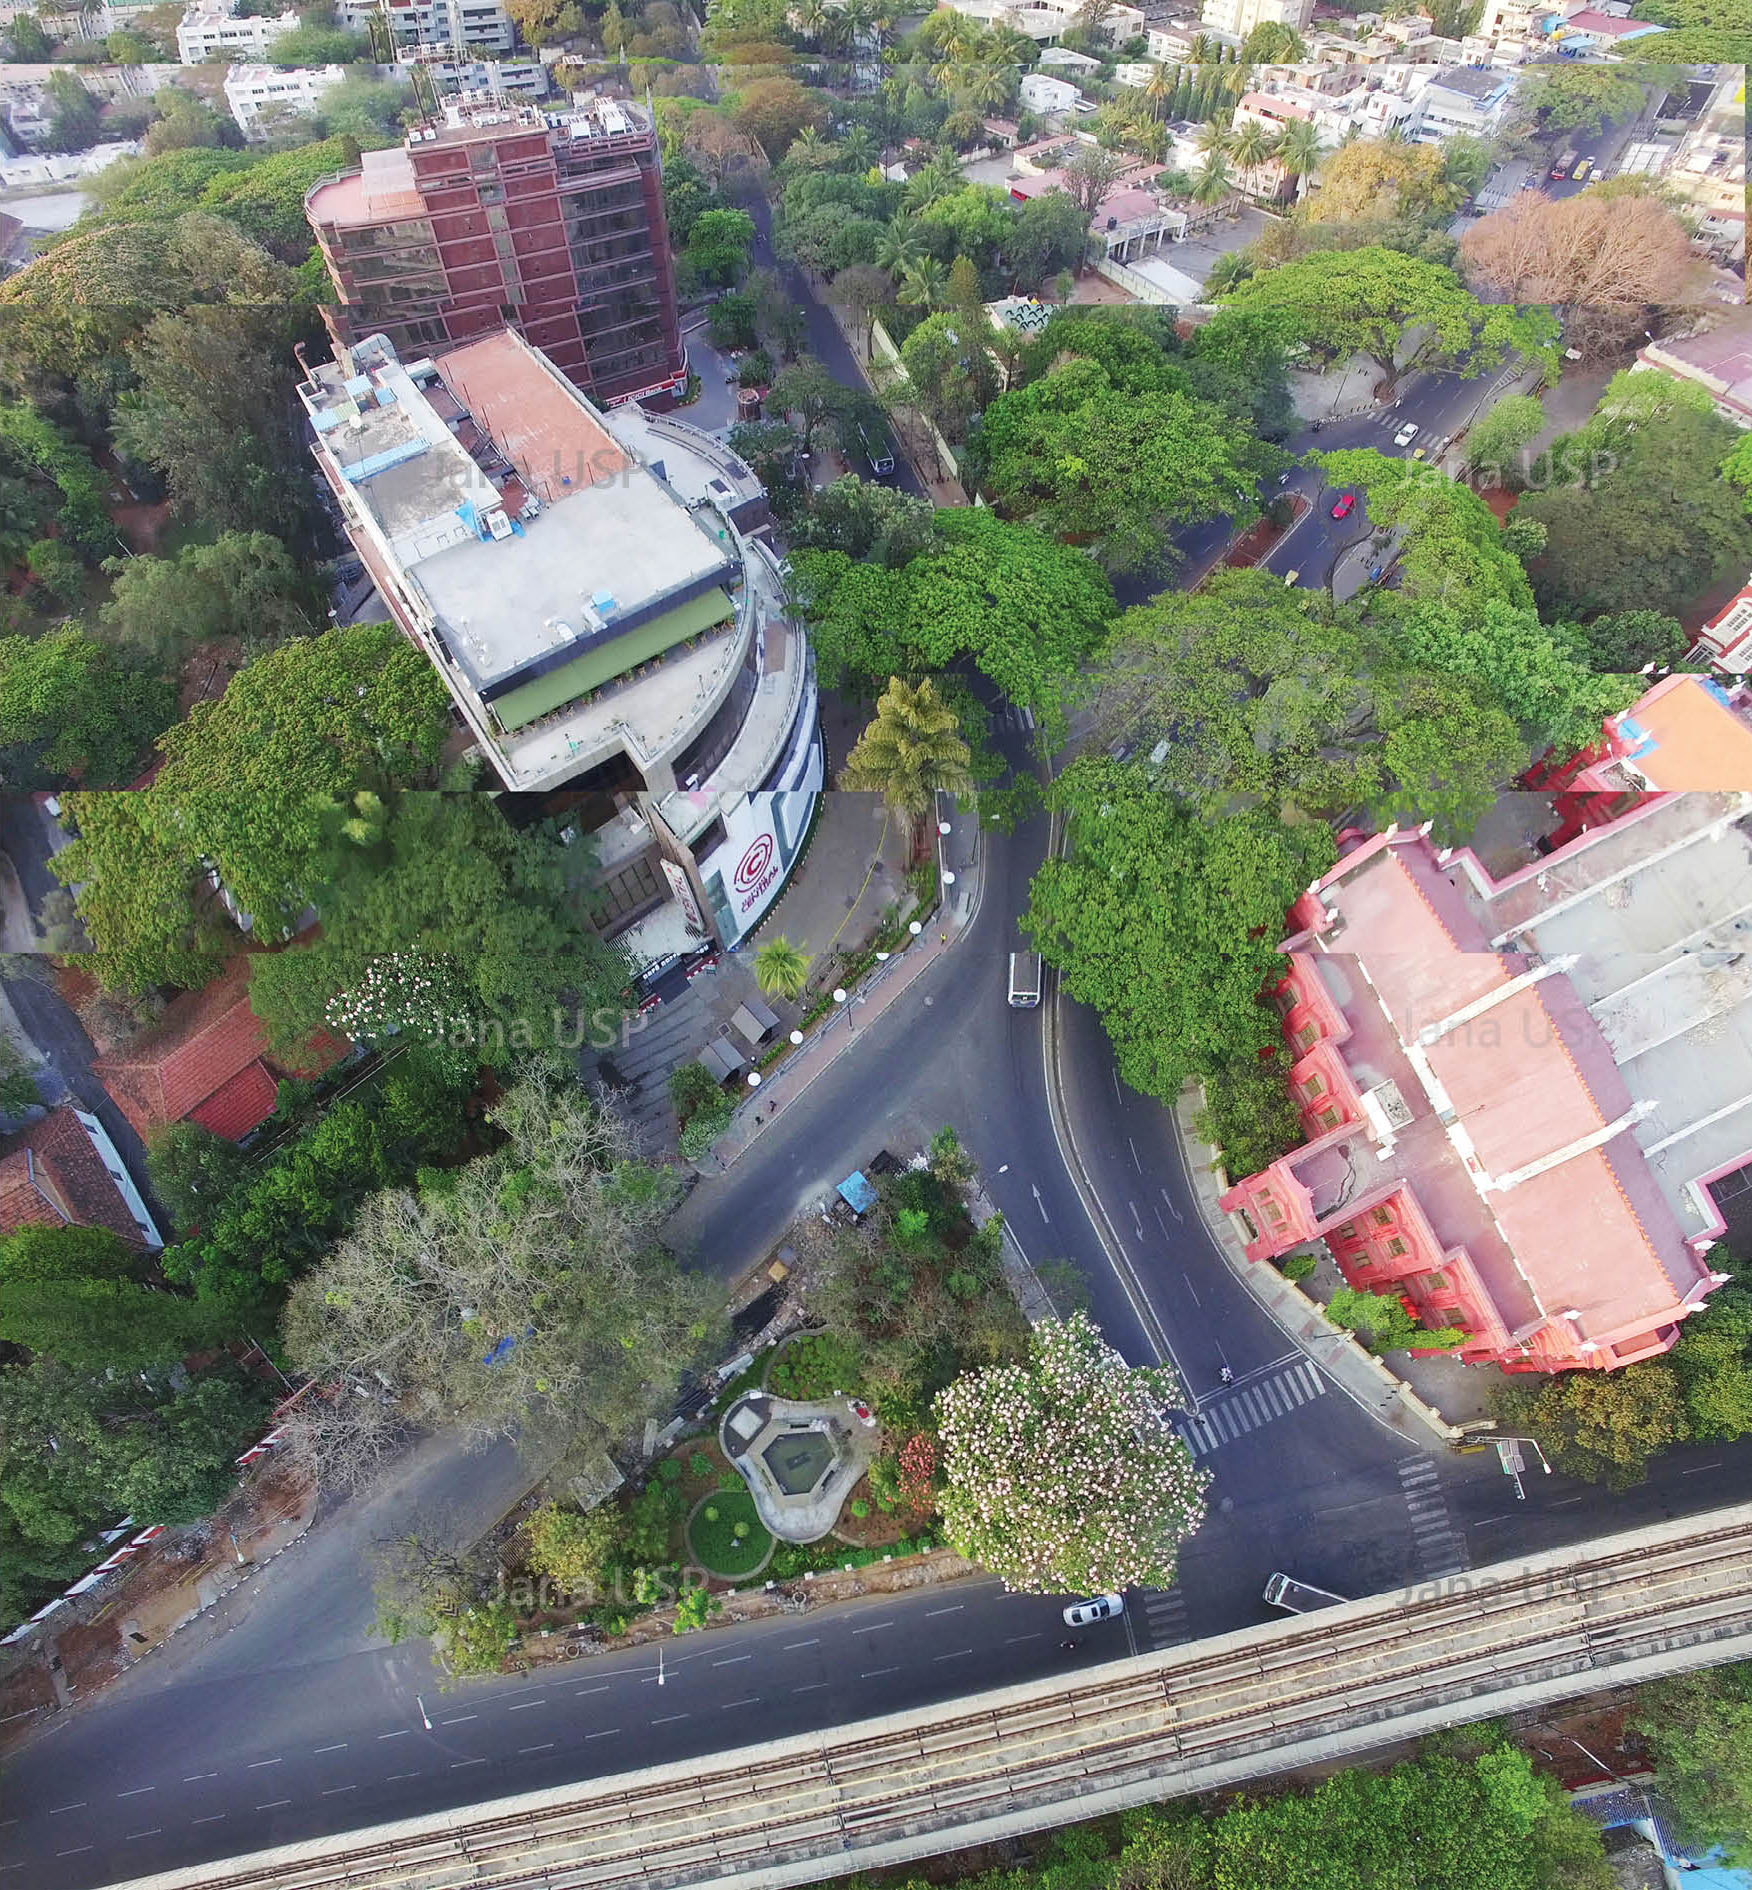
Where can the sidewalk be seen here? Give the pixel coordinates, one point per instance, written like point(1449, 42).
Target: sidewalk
point(1352, 1367)
point(120, 1621)
point(878, 993)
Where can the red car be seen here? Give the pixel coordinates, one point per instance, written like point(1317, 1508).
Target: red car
point(1345, 506)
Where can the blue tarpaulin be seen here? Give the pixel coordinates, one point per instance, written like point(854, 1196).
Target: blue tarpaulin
point(857, 1193)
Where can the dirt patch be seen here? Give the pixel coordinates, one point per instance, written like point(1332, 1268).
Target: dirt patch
point(1500, 502)
point(207, 671)
point(1257, 540)
point(880, 1528)
point(90, 1653)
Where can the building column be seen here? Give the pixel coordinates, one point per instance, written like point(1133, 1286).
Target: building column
point(659, 778)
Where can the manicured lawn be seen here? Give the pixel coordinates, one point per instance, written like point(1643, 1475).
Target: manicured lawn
point(712, 1537)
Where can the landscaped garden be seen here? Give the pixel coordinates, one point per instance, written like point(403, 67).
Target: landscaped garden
point(726, 1536)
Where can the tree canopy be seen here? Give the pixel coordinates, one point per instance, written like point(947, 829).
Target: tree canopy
point(1404, 312)
point(72, 710)
point(1095, 464)
point(527, 1289)
point(1060, 1475)
point(1167, 920)
point(1026, 609)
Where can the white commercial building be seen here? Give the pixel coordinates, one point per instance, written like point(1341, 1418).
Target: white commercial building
point(581, 583)
point(209, 27)
point(1709, 168)
point(1238, 18)
point(264, 97)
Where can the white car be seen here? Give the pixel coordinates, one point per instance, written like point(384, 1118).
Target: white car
point(1406, 434)
point(1100, 1608)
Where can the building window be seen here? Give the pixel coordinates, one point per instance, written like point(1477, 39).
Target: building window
point(1307, 1037)
point(1382, 1217)
point(1396, 1247)
point(1329, 1118)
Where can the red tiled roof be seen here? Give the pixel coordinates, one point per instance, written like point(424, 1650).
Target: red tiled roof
point(205, 1042)
point(51, 1176)
point(240, 1105)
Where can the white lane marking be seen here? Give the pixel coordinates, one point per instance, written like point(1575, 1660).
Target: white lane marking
point(791, 1647)
point(1014, 1638)
point(456, 1765)
point(814, 1686)
point(274, 1804)
point(608, 1732)
point(583, 1690)
point(193, 1777)
point(133, 1837)
point(76, 1850)
point(733, 1661)
point(874, 1625)
point(522, 1750)
point(669, 1719)
point(457, 1721)
point(138, 1789)
point(334, 1791)
point(212, 1820)
point(396, 1777)
point(525, 1705)
point(255, 1765)
point(960, 1653)
point(730, 1706)
point(401, 1732)
point(78, 1804)
point(932, 1613)
point(876, 1673)
point(340, 1748)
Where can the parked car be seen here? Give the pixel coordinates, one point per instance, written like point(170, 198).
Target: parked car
point(1098, 1608)
point(1583, 167)
point(1346, 505)
point(1406, 434)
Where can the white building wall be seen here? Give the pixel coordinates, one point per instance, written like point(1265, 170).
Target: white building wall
point(210, 28)
point(1238, 18)
point(253, 92)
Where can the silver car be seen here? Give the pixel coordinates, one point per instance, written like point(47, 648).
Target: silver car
point(1406, 434)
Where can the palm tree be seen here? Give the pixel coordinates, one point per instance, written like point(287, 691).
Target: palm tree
point(1215, 184)
point(809, 149)
point(912, 751)
point(780, 969)
point(982, 88)
point(898, 247)
point(1199, 52)
point(858, 149)
point(1213, 138)
point(1159, 93)
point(1300, 153)
point(808, 17)
point(923, 284)
point(1250, 146)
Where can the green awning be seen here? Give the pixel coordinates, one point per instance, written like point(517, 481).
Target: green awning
point(590, 671)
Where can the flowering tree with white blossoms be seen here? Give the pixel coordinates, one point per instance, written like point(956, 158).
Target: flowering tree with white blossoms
point(1061, 1475)
point(412, 993)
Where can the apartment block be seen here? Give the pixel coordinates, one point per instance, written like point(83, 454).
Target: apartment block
point(498, 213)
point(1238, 18)
point(483, 25)
point(211, 28)
point(262, 97)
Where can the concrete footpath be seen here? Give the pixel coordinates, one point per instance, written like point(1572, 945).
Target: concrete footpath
point(1349, 1364)
point(962, 854)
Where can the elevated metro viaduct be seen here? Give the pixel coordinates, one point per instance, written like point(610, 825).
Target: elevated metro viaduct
point(881, 1792)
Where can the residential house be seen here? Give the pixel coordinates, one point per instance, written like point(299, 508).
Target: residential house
point(1041, 92)
point(64, 1171)
point(1473, 100)
point(1719, 358)
point(207, 1061)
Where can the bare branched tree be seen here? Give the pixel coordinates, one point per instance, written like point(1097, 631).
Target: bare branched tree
point(1584, 252)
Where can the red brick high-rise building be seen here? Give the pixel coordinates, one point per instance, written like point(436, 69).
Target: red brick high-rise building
point(502, 214)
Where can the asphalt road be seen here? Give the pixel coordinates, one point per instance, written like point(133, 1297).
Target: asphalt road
point(278, 1717)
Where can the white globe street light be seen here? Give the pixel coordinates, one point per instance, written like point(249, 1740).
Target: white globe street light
point(839, 997)
point(948, 879)
point(796, 1036)
point(915, 928)
point(754, 1079)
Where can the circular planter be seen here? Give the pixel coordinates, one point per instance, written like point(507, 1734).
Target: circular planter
point(733, 1506)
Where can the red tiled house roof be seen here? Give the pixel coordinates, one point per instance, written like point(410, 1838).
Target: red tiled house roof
point(51, 1176)
point(208, 1062)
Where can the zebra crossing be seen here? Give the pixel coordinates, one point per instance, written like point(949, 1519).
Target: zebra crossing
point(1163, 1612)
point(1241, 1408)
point(1440, 1551)
point(1014, 715)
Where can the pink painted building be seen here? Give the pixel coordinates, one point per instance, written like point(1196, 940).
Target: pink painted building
point(1517, 1092)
